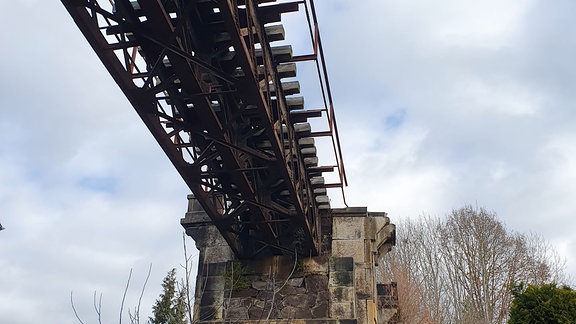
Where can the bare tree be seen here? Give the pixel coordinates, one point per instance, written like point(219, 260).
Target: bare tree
point(134, 317)
point(416, 265)
point(460, 269)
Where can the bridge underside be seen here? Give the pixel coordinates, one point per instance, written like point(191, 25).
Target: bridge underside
point(223, 104)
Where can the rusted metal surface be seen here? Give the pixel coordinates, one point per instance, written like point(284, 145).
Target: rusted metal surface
point(206, 79)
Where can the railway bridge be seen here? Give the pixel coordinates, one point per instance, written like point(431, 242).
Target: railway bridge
point(215, 83)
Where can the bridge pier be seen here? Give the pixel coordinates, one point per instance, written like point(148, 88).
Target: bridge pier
point(338, 286)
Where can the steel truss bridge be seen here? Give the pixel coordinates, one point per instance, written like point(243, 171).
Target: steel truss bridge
point(222, 101)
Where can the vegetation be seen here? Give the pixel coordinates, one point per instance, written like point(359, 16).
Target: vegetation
point(170, 307)
point(545, 303)
point(235, 275)
point(460, 269)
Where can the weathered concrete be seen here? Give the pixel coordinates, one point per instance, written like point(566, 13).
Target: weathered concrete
point(336, 287)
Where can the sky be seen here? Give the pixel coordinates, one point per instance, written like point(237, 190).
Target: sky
point(439, 104)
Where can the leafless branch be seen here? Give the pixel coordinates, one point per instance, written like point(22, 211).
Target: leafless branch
point(137, 312)
point(74, 308)
point(132, 317)
point(98, 308)
point(187, 270)
point(124, 296)
point(273, 278)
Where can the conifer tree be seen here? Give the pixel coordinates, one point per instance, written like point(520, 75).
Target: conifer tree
point(170, 307)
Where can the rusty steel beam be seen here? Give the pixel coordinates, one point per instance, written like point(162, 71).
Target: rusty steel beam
point(254, 94)
point(203, 77)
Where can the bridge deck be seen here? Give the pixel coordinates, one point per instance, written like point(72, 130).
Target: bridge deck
point(207, 80)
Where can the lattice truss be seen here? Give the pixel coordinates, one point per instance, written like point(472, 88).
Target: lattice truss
point(207, 83)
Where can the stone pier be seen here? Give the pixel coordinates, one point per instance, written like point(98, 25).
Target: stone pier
point(338, 286)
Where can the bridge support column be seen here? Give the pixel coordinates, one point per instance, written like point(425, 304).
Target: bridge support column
point(336, 287)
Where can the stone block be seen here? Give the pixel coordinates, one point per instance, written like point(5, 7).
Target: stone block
point(236, 313)
point(291, 290)
point(261, 285)
point(349, 248)
point(350, 211)
point(341, 279)
point(387, 314)
point(348, 228)
point(218, 253)
point(363, 282)
point(382, 290)
point(265, 295)
point(386, 290)
point(260, 303)
point(214, 283)
point(195, 219)
point(302, 313)
point(295, 301)
point(362, 311)
point(320, 310)
point(239, 302)
point(206, 235)
point(256, 312)
point(214, 269)
point(316, 283)
point(288, 312)
point(208, 313)
point(323, 296)
point(245, 292)
point(368, 251)
point(341, 264)
point(274, 309)
point(342, 310)
point(295, 282)
point(380, 218)
point(348, 321)
point(369, 228)
point(311, 299)
point(341, 294)
point(212, 298)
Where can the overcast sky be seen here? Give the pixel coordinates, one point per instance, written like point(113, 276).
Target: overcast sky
point(440, 104)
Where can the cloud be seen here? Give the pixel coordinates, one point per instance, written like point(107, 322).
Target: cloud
point(486, 90)
point(439, 104)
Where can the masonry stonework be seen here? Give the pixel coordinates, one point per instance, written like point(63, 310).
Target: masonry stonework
point(338, 286)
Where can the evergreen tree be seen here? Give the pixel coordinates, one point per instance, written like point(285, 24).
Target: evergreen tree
point(170, 307)
point(543, 304)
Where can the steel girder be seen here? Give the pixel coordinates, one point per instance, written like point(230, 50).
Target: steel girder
point(205, 80)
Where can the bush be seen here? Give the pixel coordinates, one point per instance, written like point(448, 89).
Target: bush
point(546, 303)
